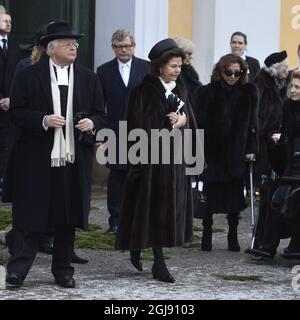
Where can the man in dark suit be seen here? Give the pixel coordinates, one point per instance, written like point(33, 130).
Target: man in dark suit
point(9, 57)
point(57, 105)
point(117, 78)
point(238, 44)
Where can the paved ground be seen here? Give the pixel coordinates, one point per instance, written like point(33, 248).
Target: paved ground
point(110, 276)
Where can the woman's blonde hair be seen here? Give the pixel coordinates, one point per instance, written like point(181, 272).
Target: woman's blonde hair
point(36, 53)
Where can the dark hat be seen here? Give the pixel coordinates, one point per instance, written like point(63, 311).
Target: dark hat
point(275, 58)
point(161, 47)
point(57, 30)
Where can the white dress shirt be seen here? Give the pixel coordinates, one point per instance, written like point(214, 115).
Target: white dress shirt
point(124, 69)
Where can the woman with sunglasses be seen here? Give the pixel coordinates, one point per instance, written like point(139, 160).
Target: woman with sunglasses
point(226, 109)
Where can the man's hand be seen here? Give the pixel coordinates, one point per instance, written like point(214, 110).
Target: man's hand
point(54, 121)
point(4, 104)
point(85, 125)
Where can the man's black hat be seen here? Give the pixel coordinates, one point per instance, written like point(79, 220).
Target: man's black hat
point(275, 58)
point(161, 47)
point(58, 30)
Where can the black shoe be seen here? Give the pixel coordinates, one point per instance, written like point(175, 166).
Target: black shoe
point(78, 260)
point(112, 230)
point(290, 254)
point(14, 279)
point(233, 244)
point(135, 258)
point(66, 282)
point(162, 274)
point(206, 243)
point(262, 252)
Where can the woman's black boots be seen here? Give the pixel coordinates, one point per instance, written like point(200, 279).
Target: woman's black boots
point(206, 243)
point(159, 268)
point(233, 221)
point(135, 258)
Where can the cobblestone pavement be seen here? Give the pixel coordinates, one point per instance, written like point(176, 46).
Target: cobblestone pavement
point(110, 276)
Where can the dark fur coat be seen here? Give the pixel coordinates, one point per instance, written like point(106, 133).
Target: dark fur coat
point(157, 203)
point(228, 116)
point(270, 111)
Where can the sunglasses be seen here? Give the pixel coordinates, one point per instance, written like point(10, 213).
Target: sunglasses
point(236, 74)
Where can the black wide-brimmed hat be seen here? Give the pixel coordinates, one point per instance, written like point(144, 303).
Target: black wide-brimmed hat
point(160, 47)
point(58, 30)
point(275, 57)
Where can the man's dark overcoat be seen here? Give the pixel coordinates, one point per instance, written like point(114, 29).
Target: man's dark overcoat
point(29, 175)
point(157, 204)
point(7, 70)
point(116, 94)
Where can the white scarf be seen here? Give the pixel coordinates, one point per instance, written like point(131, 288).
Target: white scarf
point(169, 87)
point(63, 149)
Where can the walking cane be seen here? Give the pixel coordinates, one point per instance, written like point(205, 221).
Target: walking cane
point(252, 194)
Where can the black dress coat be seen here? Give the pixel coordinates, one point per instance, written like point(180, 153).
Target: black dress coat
point(7, 71)
point(254, 67)
point(28, 178)
point(228, 116)
point(116, 94)
point(157, 203)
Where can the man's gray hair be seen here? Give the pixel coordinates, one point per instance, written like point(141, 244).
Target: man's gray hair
point(120, 35)
point(49, 45)
point(273, 70)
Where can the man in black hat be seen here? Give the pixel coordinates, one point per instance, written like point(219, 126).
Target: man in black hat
point(46, 240)
point(57, 105)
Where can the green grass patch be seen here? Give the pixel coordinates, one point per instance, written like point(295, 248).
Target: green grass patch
point(147, 254)
point(5, 219)
point(214, 230)
point(195, 243)
point(94, 239)
point(197, 229)
point(242, 278)
point(3, 261)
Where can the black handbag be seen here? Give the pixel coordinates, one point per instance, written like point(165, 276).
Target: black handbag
point(199, 201)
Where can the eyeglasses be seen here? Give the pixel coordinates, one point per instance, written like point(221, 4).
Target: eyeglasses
point(236, 74)
point(70, 44)
point(125, 46)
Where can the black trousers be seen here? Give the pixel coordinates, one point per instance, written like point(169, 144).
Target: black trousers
point(4, 142)
point(115, 190)
point(25, 248)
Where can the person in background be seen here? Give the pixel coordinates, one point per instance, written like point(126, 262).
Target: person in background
point(238, 44)
point(226, 110)
point(188, 73)
point(271, 82)
point(9, 57)
point(117, 78)
point(157, 205)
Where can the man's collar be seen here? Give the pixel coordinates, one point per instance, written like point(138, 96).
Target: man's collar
point(58, 66)
point(128, 63)
point(3, 37)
